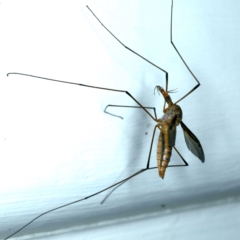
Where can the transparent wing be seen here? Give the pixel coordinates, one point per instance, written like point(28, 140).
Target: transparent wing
point(193, 143)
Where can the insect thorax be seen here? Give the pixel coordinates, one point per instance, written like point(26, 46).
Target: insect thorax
point(172, 116)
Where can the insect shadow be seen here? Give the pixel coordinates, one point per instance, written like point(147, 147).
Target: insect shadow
point(167, 125)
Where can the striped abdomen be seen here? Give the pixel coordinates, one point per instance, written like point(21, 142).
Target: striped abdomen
point(164, 152)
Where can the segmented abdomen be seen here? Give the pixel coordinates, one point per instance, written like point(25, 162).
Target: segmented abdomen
point(164, 152)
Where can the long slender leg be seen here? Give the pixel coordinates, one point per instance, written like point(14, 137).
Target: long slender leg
point(185, 162)
point(110, 105)
point(120, 184)
point(171, 38)
point(147, 167)
point(166, 73)
point(110, 193)
point(83, 85)
point(150, 150)
point(105, 110)
point(82, 199)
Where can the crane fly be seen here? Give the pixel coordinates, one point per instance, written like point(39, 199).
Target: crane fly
point(167, 125)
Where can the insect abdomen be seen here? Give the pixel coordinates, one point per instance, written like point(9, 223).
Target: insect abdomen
point(164, 152)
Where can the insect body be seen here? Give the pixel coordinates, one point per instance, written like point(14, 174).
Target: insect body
point(167, 125)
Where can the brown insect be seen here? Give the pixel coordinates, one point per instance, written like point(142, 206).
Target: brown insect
point(167, 125)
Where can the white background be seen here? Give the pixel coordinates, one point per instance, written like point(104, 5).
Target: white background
point(57, 145)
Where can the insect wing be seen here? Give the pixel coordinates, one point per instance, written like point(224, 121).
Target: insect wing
point(172, 136)
point(193, 143)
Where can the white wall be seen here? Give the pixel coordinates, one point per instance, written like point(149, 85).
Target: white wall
point(57, 145)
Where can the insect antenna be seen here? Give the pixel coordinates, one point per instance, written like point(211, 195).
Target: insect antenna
point(172, 91)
